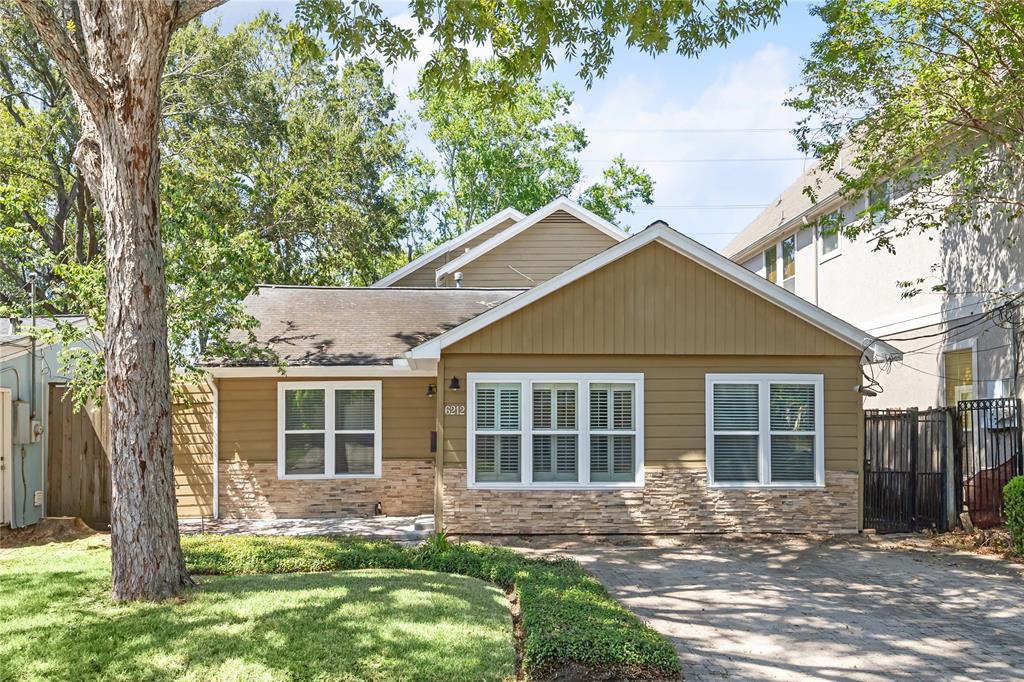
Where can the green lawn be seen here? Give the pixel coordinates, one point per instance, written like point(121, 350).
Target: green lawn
point(57, 623)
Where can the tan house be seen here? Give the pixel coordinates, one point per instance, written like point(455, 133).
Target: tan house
point(549, 373)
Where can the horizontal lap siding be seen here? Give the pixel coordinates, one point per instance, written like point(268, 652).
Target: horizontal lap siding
point(674, 398)
point(653, 301)
point(423, 276)
point(544, 250)
point(192, 447)
point(248, 418)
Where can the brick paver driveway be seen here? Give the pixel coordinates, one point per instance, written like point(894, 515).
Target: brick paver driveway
point(857, 609)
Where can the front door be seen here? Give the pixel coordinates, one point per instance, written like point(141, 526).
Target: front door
point(6, 462)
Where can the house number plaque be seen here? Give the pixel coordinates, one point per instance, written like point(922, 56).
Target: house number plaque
point(454, 410)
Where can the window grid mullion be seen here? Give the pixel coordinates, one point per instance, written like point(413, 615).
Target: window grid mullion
point(583, 426)
point(526, 424)
point(329, 443)
point(764, 429)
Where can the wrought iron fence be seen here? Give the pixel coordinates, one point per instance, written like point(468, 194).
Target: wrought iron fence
point(990, 454)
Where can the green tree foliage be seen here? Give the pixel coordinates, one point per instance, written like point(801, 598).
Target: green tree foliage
point(273, 170)
point(519, 150)
point(926, 95)
point(526, 37)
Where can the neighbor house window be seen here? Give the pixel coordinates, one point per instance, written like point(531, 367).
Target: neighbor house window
point(765, 430)
point(789, 263)
point(771, 264)
point(828, 234)
point(879, 198)
point(329, 429)
point(555, 430)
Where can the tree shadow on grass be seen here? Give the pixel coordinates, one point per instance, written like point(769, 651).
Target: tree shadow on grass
point(358, 625)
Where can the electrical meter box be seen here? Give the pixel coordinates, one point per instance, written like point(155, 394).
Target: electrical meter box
point(22, 415)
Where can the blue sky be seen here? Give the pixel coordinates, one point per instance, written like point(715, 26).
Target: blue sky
point(660, 113)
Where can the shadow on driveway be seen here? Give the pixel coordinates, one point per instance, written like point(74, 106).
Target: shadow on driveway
point(841, 609)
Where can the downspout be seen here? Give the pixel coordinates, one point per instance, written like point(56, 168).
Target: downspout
point(212, 382)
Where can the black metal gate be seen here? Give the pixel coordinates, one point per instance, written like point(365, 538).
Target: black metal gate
point(990, 447)
point(905, 470)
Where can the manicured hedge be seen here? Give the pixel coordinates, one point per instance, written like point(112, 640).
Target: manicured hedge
point(567, 616)
point(1013, 504)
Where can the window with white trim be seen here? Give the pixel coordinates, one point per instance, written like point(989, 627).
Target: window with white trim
point(555, 430)
point(329, 429)
point(765, 429)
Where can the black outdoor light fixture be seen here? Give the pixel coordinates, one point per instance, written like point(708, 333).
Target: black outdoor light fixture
point(454, 385)
point(431, 390)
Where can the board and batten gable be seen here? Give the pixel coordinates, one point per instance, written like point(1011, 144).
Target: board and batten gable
point(544, 250)
point(251, 488)
point(657, 312)
point(423, 276)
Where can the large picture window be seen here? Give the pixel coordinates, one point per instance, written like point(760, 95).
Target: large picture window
point(765, 430)
point(329, 429)
point(555, 430)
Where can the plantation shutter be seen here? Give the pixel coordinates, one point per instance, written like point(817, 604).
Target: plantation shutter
point(735, 424)
point(792, 440)
point(498, 441)
point(612, 433)
point(555, 454)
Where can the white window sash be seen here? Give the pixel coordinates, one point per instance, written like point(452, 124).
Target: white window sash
point(765, 432)
point(329, 387)
point(582, 382)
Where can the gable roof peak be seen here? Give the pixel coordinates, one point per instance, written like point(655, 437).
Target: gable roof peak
point(561, 203)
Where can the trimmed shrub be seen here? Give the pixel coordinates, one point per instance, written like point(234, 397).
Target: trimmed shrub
point(1013, 504)
point(567, 616)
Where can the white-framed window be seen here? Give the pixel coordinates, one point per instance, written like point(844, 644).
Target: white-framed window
point(771, 264)
point(328, 429)
point(765, 430)
point(554, 430)
point(789, 263)
point(828, 235)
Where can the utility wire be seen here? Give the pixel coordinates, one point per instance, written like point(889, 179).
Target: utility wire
point(718, 160)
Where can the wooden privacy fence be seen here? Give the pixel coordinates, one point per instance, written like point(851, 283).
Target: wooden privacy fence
point(78, 459)
point(77, 463)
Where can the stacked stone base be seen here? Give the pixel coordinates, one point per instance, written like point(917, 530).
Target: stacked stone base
point(252, 490)
point(673, 500)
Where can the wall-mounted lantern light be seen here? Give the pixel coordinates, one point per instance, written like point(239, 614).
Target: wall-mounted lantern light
point(431, 390)
point(454, 385)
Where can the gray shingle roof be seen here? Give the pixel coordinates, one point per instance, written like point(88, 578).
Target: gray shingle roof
point(358, 326)
point(791, 204)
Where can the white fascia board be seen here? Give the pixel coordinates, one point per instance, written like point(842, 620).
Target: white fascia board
point(404, 369)
point(453, 243)
point(559, 204)
point(874, 349)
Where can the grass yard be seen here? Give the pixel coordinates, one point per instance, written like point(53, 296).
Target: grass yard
point(57, 623)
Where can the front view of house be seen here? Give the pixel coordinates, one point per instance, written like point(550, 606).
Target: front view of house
point(549, 374)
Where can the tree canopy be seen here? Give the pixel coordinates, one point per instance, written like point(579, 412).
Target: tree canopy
point(927, 96)
point(519, 151)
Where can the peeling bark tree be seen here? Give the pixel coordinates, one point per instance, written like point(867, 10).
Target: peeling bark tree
point(112, 54)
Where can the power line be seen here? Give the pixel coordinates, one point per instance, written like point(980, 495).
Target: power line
point(704, 207)
point(764, 159)
point(689, 130)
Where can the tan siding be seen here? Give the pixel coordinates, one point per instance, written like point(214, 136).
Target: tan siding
point(423, 276)
point(248, 418)
point(653, 301)
point(192, 441)
point(674, 398)
point(544, 250)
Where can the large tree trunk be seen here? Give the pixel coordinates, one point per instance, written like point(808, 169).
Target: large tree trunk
point(114, 62)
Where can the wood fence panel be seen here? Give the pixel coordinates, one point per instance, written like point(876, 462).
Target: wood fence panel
point(78, 459)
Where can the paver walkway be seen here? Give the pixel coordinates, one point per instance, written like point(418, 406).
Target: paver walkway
point(787, 609)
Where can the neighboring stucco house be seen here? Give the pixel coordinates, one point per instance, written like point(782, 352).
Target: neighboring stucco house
point(549, 373)
point(955, 345)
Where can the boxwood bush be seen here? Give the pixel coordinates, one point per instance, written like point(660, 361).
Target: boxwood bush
point(567, 617)
point(1013, 504)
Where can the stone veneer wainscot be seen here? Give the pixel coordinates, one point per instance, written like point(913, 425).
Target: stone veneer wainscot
point(673, 500)
point(252, 490)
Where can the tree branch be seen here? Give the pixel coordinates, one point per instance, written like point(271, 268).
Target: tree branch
point(184, 11)
point(65, 53)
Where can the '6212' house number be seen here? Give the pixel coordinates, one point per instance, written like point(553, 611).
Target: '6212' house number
point(454, 410)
